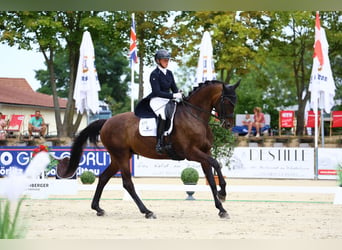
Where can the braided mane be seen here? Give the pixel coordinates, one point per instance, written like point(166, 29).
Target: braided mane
point(200, 86)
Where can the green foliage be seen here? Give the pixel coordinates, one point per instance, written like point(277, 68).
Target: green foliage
point(189, 175)
point(87, 177)
point(270, 50)
point(339, 174)
point(224, 142)
point(9, 223)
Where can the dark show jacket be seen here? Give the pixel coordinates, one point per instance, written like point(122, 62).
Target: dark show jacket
point(161, 85)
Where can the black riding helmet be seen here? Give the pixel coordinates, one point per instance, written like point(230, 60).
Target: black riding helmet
point(161, 54)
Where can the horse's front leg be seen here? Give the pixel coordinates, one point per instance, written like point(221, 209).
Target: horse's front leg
point(222, 182)
point(210, 177)
point(103, 180)
point(129, 186)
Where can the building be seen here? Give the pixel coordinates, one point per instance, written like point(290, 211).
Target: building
point(17, 97)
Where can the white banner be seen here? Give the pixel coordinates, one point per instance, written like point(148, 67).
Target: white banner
point(145, 167)
point(269, 162)
point(328, 160)
point(247, 162)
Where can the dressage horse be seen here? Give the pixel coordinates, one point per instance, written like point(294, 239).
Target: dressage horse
point(191, 139)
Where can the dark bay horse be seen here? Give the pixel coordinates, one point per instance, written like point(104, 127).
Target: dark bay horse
point(191, 139)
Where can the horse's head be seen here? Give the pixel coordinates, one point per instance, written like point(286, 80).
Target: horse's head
point(226, 104)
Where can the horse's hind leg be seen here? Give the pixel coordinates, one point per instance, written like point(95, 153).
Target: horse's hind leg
point(103, 180)
point(129, 186)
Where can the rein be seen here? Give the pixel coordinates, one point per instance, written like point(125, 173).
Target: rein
point(220, 117)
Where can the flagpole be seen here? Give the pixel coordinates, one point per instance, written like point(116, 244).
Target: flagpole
point(316, 142)
point(132, 77)
point(132, 84)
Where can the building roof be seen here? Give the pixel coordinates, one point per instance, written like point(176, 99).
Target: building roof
point(17, 91)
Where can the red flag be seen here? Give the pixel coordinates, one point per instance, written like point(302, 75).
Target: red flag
point(133, 44)
point(318, 51)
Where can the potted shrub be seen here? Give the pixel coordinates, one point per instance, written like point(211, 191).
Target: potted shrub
point(87, 177)
point(189, 176)
point(223, 144)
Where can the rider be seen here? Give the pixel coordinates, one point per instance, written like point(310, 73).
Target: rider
point(162, 81)
point(163, 90)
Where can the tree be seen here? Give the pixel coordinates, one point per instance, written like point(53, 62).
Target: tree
point(152, 34)
point(112, 72)
point(270, 51)
point(54, 32)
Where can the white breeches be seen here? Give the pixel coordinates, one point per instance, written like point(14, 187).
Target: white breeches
point(158, 106)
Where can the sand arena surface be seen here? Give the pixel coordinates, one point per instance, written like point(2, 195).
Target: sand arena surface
point(266, 215)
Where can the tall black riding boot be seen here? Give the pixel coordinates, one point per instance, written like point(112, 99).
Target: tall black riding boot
point(160, 135)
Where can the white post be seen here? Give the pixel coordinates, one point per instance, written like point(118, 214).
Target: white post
point(316, 141)
point(132, 85)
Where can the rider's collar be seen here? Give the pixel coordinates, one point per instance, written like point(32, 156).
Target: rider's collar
point(162, 69)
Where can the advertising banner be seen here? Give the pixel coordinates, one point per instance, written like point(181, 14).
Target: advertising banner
point(269, 162)
point(247, 162)
point(328, 161)
point(93, 159)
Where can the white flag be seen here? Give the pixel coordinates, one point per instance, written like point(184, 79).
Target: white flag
point(205, 67)
point(322, 86)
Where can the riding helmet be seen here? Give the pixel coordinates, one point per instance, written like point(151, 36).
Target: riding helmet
point(162, 54)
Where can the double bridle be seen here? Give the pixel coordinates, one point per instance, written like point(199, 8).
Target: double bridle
point(222, 115)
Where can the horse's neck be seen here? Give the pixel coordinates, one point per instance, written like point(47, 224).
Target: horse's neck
point(204, 100)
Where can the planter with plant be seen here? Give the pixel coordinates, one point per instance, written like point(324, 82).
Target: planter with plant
point(224, 142)
point(87, 177)
point(189, 176)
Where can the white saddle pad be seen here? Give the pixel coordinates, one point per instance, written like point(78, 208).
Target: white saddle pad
point(148, 126)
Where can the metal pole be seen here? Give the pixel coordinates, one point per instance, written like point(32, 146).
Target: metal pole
point(132, 86)
point(322, 128)
point(316, 142)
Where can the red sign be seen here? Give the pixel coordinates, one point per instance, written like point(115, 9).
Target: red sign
point(287, 119)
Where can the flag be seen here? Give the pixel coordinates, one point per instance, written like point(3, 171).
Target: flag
point(133, 56)
point(322, 86)
point(318, 51)
point(205, 67)
point(87, 84)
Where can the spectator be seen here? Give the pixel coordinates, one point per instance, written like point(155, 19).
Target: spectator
point(3, 125)
point(37, 124)
point(259, 122)
point(3, 122)
point(247, 120)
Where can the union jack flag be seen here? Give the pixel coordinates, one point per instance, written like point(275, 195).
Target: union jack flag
point(133, 56)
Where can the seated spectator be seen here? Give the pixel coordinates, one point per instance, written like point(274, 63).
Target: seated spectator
point(37, 124)
point(247, 120)
point(3, 125)
point(259, 122)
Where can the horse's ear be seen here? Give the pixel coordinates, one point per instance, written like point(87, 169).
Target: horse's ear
point(236, 84)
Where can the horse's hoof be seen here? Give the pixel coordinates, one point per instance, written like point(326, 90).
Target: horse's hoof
point(224, 215)
point(222, 198)
point(150, 215)
point(100, 212)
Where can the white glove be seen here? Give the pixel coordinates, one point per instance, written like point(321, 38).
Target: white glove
point(178, 96)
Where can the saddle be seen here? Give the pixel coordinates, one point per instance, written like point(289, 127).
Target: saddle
point(148, 126)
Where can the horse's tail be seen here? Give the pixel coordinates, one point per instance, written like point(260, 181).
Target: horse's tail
point(67, 167)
